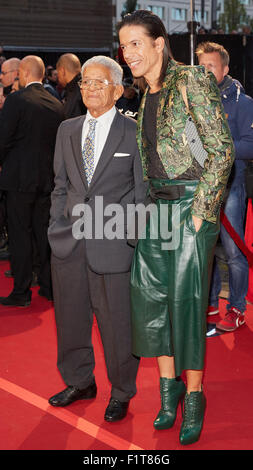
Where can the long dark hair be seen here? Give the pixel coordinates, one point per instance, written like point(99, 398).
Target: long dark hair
point(155, 29)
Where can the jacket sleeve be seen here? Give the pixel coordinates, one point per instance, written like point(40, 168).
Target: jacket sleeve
point(9, 121)
point(59, 194)
point(244, 120)
point(139, 184)
point(207, 111)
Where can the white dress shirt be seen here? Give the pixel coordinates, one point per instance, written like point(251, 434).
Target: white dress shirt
point(102, 129)
point(31, 83)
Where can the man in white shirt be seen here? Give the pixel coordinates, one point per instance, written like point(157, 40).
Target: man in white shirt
point(96, 161)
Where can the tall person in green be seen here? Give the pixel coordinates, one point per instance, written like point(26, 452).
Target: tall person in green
point(187, 154)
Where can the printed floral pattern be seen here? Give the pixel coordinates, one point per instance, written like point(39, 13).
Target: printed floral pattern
point(205, 108)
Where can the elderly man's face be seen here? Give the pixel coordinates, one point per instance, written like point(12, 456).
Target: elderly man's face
point(8, 74)
point(97, 96)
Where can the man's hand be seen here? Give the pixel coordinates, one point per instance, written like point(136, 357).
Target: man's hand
point(197, 222)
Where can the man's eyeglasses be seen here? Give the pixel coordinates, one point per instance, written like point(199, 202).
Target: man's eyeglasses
point(97, 83)
point(5, 73)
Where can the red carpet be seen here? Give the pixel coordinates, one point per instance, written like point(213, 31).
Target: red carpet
point(28, 376)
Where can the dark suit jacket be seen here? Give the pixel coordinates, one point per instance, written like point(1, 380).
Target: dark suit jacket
point(117, 178)
point(73, 105)
point(28, 126)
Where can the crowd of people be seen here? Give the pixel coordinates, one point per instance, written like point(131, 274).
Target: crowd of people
point(66, 139)
point(61, 81)
point(245, 30)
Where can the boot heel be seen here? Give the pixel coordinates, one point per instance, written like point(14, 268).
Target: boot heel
point(182, 405)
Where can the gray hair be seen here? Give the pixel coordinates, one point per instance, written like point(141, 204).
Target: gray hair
point(115, 69)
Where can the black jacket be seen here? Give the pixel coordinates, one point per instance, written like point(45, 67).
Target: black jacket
point(73, 105)
point(28, 125)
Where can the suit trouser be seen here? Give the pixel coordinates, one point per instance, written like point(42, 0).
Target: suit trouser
point(28, 216)
point(78, 293)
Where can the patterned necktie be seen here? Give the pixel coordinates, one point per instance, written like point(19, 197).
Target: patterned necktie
point(88, 150)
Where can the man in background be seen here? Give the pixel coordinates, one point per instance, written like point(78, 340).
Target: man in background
point(9, 71)
point(239, 112)
point(129, 102)
point(8, 77)
point(51, 82)
point(28, 125)
point(69, 74)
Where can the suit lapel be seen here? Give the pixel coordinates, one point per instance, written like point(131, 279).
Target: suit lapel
point(76, 142)
point(114, 137)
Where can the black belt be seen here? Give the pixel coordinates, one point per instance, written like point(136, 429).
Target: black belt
point(167, 192)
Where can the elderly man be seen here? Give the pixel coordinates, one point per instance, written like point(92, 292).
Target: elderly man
point(96, 157)
point(8, 74)
point(69, 73)
point(29, 122)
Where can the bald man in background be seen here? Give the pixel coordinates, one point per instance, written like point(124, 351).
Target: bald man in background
point(69, 74)
point(28, 125)
point(8, 74)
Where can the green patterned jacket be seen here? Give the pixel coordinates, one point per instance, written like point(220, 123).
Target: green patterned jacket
point(198, 88)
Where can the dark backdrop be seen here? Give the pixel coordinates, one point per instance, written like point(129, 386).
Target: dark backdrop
point(240, 49)
point(51, 55)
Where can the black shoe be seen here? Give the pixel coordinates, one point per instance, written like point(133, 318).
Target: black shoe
point(71, 394)
point(12, 301)
point(34, 282)
point(116, 410)
point(4, 254)
point(43, 293)
point(3, 242)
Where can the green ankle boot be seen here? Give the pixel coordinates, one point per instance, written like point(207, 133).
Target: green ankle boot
point(172, 391)
point(193, 417)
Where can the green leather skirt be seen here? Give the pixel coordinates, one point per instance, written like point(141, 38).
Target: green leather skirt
point(170, 280)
